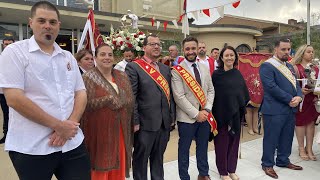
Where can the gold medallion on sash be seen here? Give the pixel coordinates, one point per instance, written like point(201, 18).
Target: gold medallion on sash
point(198, 93)
point(156, 76)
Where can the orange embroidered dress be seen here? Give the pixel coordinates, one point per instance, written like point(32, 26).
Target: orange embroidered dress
point(107, 126)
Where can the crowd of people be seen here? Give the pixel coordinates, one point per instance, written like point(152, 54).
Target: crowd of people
point(83, 118)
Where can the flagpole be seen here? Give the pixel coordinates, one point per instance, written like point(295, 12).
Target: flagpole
point(308, 22)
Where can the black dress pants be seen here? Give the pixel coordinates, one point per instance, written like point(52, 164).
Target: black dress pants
point(149, 145)
point(71, 165)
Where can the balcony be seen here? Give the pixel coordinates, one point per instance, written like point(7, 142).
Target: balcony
point(81, 4)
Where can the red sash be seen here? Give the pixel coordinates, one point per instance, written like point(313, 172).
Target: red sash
point(198, 93)
point(156, 76)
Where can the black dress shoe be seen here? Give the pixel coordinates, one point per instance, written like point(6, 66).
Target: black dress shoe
point(3, 139)
point(270, 172)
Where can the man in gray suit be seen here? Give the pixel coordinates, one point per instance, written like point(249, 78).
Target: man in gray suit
point(192, 107)
point(153, 111)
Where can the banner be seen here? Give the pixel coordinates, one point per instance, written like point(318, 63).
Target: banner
point(91, 34)
point(249, 65)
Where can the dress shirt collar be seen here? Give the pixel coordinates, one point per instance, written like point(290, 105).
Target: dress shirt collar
point(281, 62)
point(148, 60)
point(33, 46)
point(189, 64)
point(82, 69)
point(198, 59)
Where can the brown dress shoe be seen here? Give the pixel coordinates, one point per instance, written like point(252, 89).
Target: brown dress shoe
point(203, 177)
point(270, 172)
point(293, 167)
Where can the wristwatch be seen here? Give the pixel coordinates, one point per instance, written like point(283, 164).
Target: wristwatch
point(301, 99)
point(208, 110)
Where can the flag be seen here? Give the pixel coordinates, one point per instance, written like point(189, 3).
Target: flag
point(175, 23)
point(165, 24)
point(221, 11)
point(206, 12)
point(236, 4)
point(91, 33)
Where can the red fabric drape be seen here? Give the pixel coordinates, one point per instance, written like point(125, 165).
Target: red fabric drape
point(95, 31)
point(249, 65)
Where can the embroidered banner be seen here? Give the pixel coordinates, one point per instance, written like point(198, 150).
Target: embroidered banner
point(249, 65)
point(198, 93)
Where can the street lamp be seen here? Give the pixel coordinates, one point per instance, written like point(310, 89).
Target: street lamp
point(308, 22)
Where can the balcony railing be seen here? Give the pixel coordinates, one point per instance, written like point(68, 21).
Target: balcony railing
point(81, 4)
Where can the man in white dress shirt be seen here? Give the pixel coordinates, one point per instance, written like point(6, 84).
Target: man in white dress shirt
point(215, 55)
point(204, 59)
point(46, 96)
point(128, 56)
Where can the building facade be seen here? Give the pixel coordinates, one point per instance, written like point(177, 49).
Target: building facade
point(241, 33)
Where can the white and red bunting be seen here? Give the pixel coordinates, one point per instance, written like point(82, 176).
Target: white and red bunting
point(196, 5)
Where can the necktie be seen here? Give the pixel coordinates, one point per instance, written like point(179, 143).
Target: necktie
point(155, 65)
point(196, 73)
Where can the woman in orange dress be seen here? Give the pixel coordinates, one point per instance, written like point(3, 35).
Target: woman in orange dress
point(307, 115)
point(106, 122)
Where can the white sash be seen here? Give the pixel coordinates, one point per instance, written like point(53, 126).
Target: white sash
point(284, 70)
point(317, 87)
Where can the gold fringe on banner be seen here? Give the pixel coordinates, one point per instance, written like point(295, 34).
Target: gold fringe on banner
point(246, 61)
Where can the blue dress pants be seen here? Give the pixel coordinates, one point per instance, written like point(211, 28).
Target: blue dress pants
point(187, 132)
point(278, 135)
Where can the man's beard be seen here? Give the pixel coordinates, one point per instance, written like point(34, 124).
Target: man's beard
point(284, 58)
point(191, 60)
point(202, 53)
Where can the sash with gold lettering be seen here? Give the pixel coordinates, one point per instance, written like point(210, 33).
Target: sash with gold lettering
point(198, 93)
point(284, 70)
point(156, 76)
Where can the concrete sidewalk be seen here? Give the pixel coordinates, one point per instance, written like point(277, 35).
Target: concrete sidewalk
point(249, 167)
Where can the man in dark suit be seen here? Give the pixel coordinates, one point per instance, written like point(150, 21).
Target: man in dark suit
point(153, 111)
point(282, 95)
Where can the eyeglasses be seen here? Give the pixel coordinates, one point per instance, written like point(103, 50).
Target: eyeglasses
point(154, 44)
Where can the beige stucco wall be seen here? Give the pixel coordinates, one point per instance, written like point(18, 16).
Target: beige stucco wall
point(177, 36)
point(106, 6)
point(160, 9)
point(219, 39)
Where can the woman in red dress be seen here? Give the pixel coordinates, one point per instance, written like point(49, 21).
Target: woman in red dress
point(106, 122)
point(307, 115)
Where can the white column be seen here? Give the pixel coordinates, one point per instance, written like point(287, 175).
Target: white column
point(72, 41)
point(20, 32)
point(308, 22)
point(78, 37)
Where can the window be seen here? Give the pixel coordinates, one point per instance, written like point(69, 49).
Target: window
point(243, 48)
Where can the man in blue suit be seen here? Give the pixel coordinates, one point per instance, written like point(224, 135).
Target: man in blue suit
point(282, 95)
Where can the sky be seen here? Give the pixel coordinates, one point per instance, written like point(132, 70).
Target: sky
point(275, 10)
